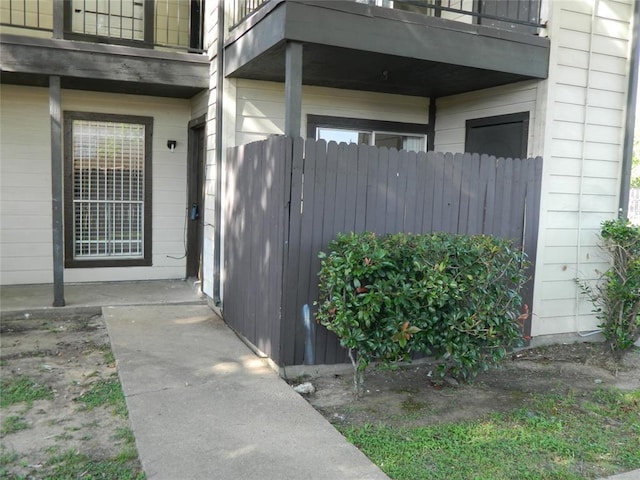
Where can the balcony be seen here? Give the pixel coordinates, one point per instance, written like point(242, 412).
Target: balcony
point(516, 15)
point(428, 48)
point(163, 24)
point(129, 46)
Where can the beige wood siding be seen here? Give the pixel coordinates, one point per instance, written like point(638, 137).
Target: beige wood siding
point(26, 245)
point(260, 107)
point(584, 119)
point(25, 186)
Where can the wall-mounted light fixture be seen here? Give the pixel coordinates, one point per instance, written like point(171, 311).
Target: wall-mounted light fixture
point(171, 145)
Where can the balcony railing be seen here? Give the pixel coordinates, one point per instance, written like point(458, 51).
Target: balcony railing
point(521, 15)
point(173, 24)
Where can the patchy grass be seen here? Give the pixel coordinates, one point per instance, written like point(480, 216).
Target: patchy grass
point(7, 456)
point(553, 437)
point(107, 354)
point(73, 464)
point(22, 389)
point(12, 424)
point(105, 392)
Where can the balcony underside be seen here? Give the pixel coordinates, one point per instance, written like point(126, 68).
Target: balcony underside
point(355, 46)
point(98, 67)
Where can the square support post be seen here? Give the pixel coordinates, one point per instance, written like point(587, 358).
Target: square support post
point(293, 90)
point(58, 18)
point(57, 204)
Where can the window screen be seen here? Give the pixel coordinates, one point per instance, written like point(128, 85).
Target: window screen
point(108, 198)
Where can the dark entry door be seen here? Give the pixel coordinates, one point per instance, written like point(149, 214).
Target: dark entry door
point(503, 136)
point(195, 199)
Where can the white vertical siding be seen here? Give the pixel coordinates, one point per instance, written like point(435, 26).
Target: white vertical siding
point(25, 186)
point(260, 107)
point(584, 119)
point(26, 178)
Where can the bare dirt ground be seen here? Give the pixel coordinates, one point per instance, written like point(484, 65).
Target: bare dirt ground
point(67, 357)
point(407, 396)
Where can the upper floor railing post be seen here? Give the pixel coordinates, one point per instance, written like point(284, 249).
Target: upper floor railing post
point(58, 18)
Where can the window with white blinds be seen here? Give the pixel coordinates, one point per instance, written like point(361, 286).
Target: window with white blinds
point(108, 189)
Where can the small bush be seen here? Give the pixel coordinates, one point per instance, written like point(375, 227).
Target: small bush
point(616, 298)
point(450, 296)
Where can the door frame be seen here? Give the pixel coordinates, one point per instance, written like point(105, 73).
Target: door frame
point(196, 181)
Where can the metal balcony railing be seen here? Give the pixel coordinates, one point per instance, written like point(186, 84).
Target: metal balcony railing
point(174, 24)
point(522, 15)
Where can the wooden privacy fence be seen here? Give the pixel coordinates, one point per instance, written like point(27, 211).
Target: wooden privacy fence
point(286, 199)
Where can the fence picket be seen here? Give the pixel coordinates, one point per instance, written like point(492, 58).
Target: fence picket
point(410, 214)
point(391, 190)
point(362, 188)
point(439, 165)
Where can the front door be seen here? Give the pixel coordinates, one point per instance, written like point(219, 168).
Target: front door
point(195, 201)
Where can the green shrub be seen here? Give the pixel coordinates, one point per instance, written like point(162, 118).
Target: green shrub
point(616, 298)
point(454, 297)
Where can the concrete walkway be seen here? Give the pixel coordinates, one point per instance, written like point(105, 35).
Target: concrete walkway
point(203, 406)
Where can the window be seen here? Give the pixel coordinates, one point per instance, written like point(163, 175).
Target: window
point(140, 23)
point(407, 136)
point(107, 190)
point(123, 19)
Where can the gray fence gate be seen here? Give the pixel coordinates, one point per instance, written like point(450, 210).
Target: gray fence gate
point(286, 199)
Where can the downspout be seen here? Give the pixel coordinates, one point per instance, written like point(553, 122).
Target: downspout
point(587, 106)
point(630, 120)
point(217, 267)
